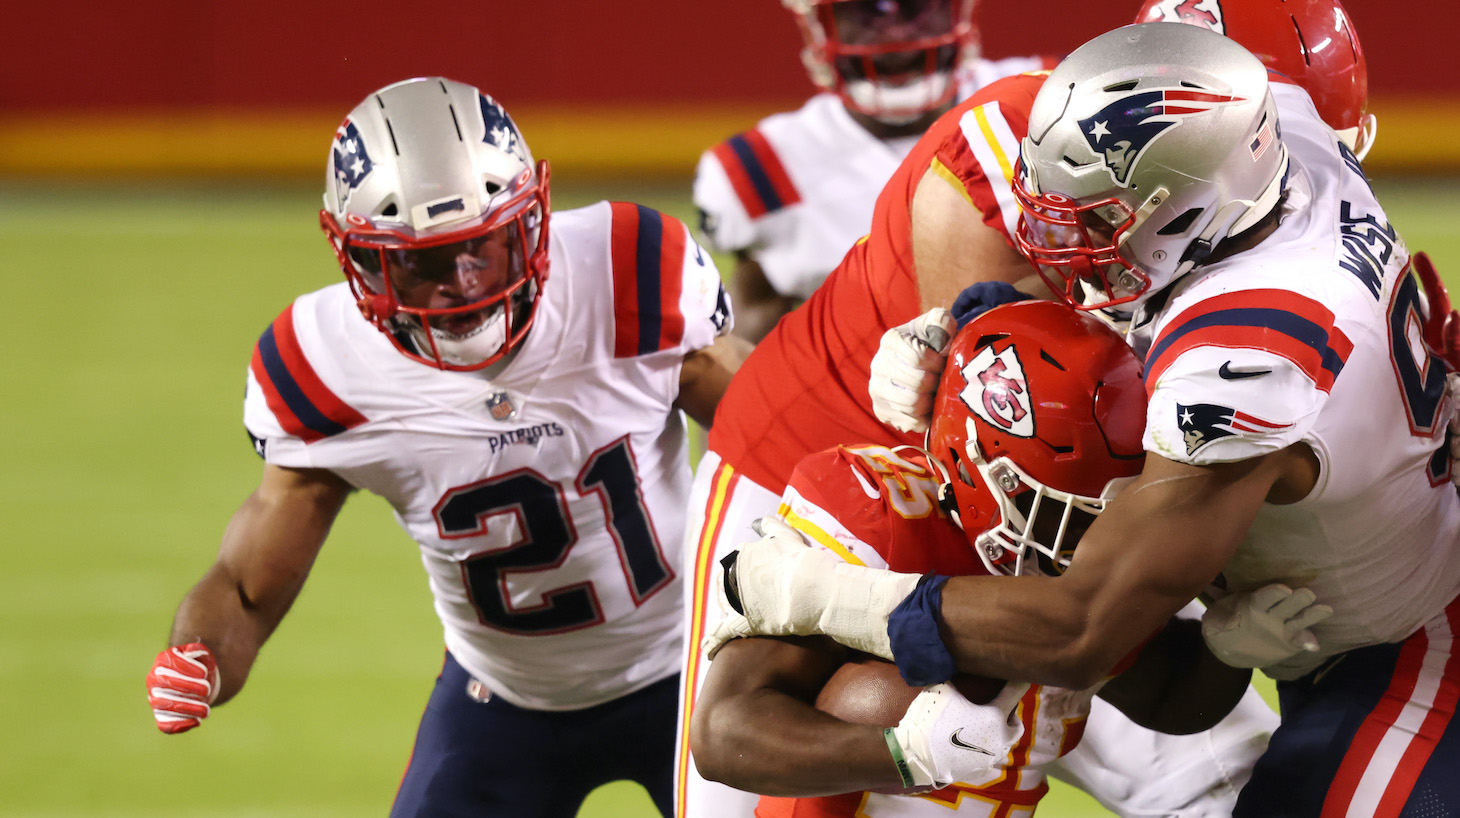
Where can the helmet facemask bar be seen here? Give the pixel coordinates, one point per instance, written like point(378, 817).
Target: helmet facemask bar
point(1039, 526)
point(891, 60)
point(383, 264)
point(1076, 248)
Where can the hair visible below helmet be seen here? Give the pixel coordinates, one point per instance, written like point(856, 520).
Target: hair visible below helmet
point(1311, 42)
point(1037, 423)
point(1147, 147)
point(891, 60)
point(431, 195)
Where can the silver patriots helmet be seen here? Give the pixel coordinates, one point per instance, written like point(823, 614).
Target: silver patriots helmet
point(1147, 147)
point(438, 216)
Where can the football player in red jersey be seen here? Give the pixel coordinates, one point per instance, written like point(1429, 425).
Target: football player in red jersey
point(944, 220)
point(529, 435)
point(1037, 427)
point(1295, 429)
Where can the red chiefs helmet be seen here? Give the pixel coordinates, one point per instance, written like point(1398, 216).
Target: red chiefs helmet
point(1312, 42)
point(892, 60)
point(1037, 424)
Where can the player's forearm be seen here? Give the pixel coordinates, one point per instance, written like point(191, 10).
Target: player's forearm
point(770, 743)
point(217, 615)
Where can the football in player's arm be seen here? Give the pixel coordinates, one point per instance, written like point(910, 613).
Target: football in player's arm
point(529, 436)
point(990, 496)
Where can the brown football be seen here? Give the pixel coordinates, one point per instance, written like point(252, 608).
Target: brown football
point(869, 690)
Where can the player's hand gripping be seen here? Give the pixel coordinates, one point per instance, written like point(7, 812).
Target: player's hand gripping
point(906, 369)
point(782, 586)
point(945, 738)
point(1264, 627)
point(182, 686)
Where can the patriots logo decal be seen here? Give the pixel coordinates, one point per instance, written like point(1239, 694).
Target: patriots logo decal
point(352, 161)
point(501, 131)
point(997, 391)
point(1207, 13)
point(1121, 131)
point(1203, 423)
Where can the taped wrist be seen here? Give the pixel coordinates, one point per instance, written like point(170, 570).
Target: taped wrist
point(912, 631)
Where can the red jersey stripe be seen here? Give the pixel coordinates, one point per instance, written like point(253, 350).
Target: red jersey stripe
point(1278, 321)
point(624, 243)
point(756, 173)
point(300, 401)
point(671, 281)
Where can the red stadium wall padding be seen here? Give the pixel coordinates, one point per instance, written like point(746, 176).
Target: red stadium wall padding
point(149, 77)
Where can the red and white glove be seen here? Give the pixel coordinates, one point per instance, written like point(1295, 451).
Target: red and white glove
point(906, 370)
point(1442, 327)
point(182, 686)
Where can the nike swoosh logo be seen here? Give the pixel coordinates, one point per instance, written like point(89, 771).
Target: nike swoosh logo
point(956, 742)
point(1226, 373)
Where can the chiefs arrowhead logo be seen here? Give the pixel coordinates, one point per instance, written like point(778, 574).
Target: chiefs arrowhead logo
point(1205, 13)
point(997, 391)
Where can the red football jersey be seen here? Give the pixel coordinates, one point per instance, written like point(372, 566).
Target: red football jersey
point(877, 506)
point(804, 388)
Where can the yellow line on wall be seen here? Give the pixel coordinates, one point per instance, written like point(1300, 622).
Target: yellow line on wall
point(584, 141)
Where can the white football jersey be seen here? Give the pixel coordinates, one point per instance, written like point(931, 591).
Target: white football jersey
point(797, 191)
point(548, 501)
point(1315, 337)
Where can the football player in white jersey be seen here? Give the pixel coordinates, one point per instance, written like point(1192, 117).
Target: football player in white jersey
point(514, 384)
point(1295, 431)
point(789, 196)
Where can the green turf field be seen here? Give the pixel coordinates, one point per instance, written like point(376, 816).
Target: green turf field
point(133, 314)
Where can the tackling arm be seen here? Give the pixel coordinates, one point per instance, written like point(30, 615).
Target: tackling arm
point(1153, 549)
point(953, 247)
point(1176, 685)
point(267, 551)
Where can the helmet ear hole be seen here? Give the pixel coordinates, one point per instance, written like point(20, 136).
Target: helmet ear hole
point(1181, 223)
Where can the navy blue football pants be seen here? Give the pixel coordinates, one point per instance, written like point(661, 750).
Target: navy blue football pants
point(478, 759)
point(1372, 734)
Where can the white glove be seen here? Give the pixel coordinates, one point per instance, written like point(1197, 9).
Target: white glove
point(1264, 627)
point(181, 687)
point(784, 587)
point(945, 738)
point(906, 370)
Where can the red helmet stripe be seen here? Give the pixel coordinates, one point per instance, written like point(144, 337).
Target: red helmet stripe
point(303, 405)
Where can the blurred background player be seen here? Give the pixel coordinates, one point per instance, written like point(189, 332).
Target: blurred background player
point(950, 208)
point(788, 197)
point(529, 435)
point(1295, 429)
point(1038, 425)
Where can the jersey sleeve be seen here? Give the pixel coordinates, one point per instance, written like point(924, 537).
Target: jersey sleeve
point(667, 292)
point(978, 158)
point(833, 504)
point(287, 406)
point(1239, 375)
point(738, 183)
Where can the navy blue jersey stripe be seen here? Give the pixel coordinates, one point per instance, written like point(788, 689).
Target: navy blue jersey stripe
point(648, 253)
point(755, 171)
point(1290, 324)
point(288, 389)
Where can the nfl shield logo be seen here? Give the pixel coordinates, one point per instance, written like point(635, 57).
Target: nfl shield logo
point(500, 405)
